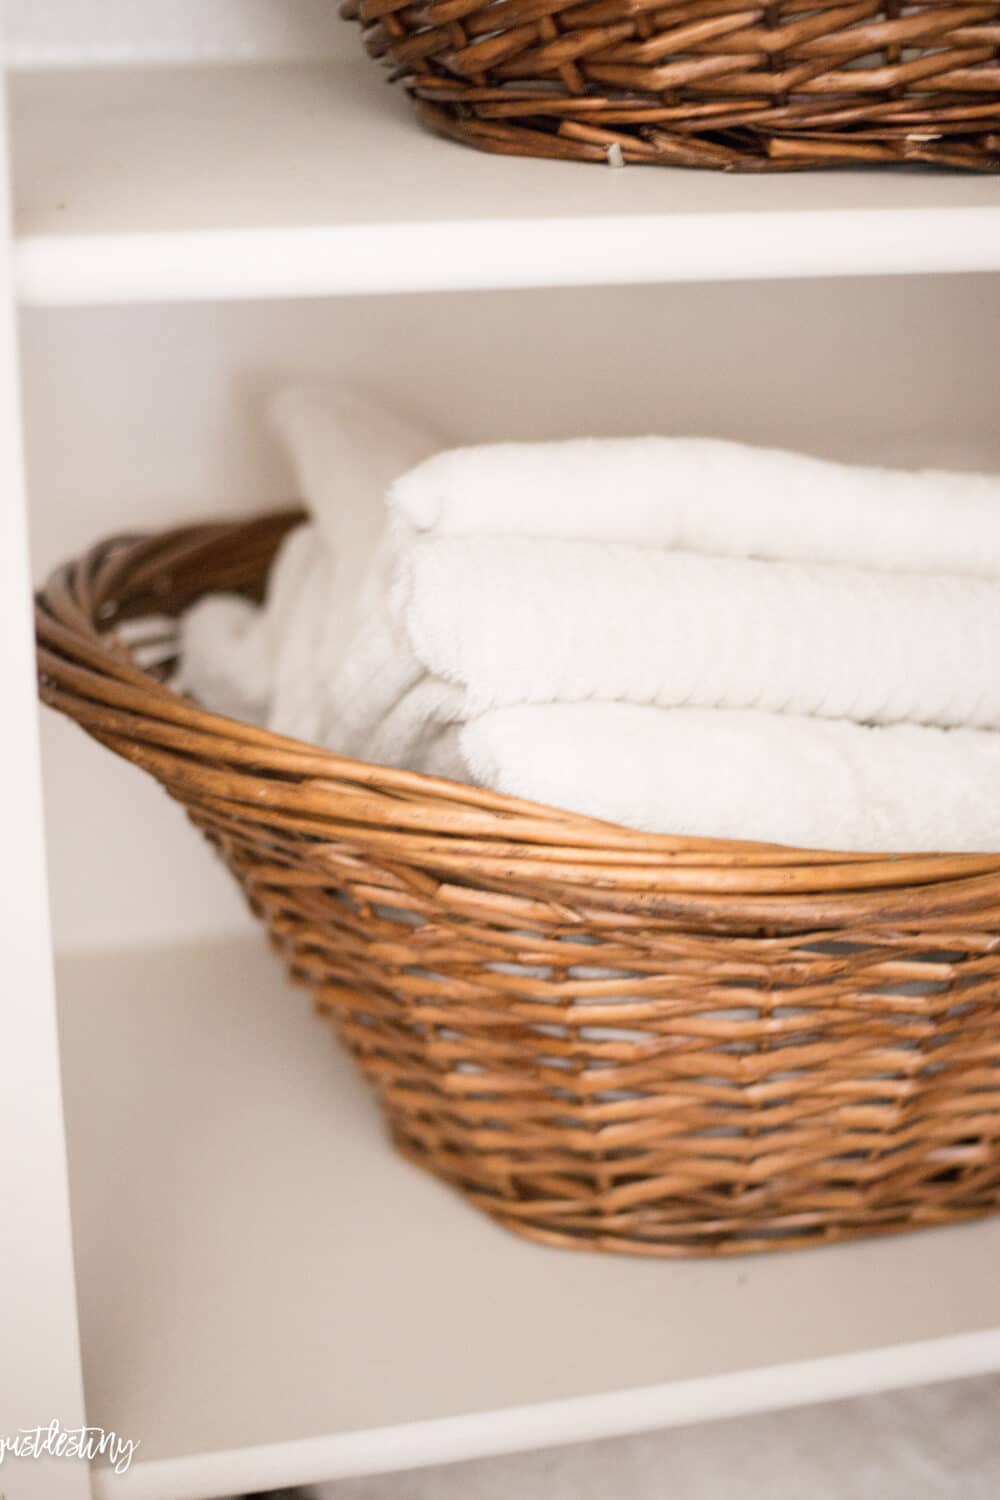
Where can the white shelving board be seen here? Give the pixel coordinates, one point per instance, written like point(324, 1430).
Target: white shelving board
point(268, 1295)
point(120, 33)
point(253, 181)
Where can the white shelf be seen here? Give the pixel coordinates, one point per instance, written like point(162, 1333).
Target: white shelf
point(274, 181)
point(269, 1296)
point(71, 33)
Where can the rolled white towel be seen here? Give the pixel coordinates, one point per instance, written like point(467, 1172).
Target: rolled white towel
point(768, 777)
point(473, 623)
point(708, 495)
point(522, 620)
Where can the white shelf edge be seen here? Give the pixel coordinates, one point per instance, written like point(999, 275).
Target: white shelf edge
point(368, 259)
point(556, 1423)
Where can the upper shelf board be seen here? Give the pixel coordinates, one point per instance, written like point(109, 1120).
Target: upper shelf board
point(188, 183)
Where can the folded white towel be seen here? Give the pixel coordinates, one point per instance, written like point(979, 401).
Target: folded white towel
point(538, 618)
point(706, 495)
point(481, 622)
point(772, 778)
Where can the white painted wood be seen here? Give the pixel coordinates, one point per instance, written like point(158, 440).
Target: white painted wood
point(179, 184)
point(144, 416)
point(936, 1442)
point(68, 33)
point(269, 1295)
point(394, 1450)
point(39, 1353)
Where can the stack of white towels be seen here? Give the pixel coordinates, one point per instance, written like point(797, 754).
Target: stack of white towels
point(682, 635)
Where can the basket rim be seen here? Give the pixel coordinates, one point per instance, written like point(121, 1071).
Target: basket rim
point(89, 672)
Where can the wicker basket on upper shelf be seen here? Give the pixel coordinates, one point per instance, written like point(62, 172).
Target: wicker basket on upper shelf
point(603, 1038)
point(702, 83)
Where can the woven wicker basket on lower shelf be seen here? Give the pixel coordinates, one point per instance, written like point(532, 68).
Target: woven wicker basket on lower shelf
point(604, 1039)
point(702, 83)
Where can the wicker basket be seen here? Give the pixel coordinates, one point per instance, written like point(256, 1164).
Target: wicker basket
point(604, 1039)
point(702, 83)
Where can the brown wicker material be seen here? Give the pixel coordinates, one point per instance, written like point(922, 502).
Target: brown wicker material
point(702, 83)
point(604, 1039)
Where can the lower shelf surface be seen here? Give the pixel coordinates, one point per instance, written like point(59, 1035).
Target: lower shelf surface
point(269, 1295)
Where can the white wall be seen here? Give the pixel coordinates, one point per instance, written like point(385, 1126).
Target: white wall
point(146, 414)
point(57, 32)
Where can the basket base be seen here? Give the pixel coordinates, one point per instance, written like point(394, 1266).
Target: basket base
point(750, 149)
point(689, 1239)
point(583, 1211)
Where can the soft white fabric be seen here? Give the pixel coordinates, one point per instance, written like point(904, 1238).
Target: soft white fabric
point(674, 634)
point(706, 495)
point(235, 657)
point(778, 778)
point(273, 666)
point(546, 668)
point(504, 620)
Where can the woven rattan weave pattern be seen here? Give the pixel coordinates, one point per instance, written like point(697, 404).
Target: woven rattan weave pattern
point(604, 1039)
point(702, 83)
